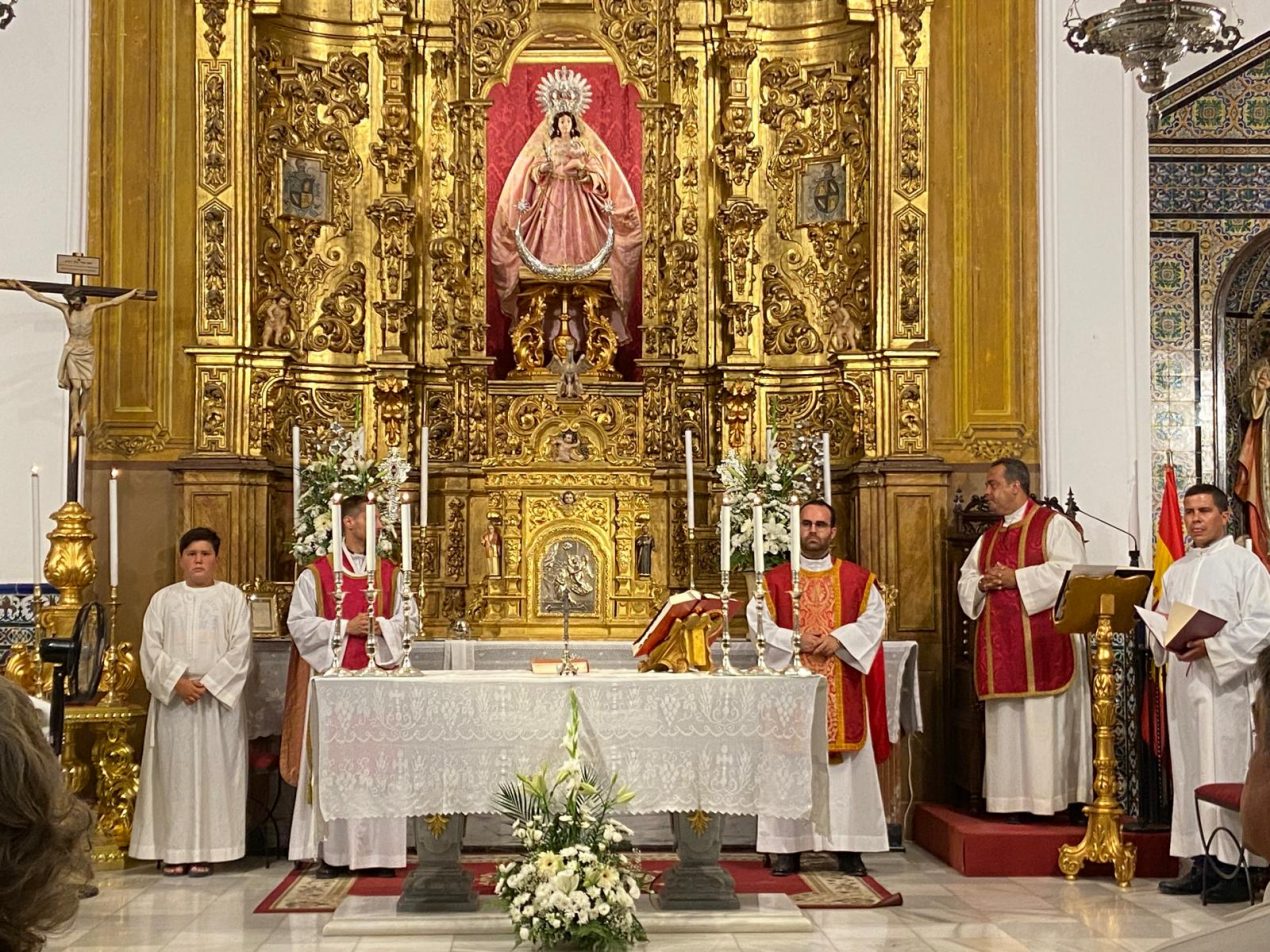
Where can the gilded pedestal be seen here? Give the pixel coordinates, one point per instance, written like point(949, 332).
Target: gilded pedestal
point(114, 762)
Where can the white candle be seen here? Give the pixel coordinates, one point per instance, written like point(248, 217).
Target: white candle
point(795, 536)
point(372, 542)
point(405, 534)
point(692, 513)
point(295, 477)
point(114, 528)
point(826, 475)
point(82, 444)
point(36, 573)
point(757, 516)
point(337, 533)
point(423, 477)
point(725, 538)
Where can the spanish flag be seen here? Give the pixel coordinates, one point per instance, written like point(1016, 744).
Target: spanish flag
point(1169, 543)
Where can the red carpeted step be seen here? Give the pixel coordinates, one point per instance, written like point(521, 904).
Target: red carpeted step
point(977, 845)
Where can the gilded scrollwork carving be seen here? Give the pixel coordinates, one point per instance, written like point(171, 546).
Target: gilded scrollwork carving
point(682, 254)
point(486, 32)
point(307, 112)
point(213, 316)
point(214, 158)
point(213, 409)
point(151, 439)
point(340, 325)
point(314, 410)
point(738, 411)
point(786, 327)
point(739, 220)
point(214, 21)
point(910, 14)
point(392, 406)
point(526, 428)
point(636, 28)
point(860, 409)
point(735, 154)
point(455, 540)
point(910, 411)
point(394, 219)
point(445, 253)
point(118, 777)
point(440, 412)
point(393, 154)
point(260, 399)
point(911, 154)
point(910, 257)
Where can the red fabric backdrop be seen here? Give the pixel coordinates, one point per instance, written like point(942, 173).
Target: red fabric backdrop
point(513, 116)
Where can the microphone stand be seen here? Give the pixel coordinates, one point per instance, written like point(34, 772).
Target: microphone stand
point(1135, 554)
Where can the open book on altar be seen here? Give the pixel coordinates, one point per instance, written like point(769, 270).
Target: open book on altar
point(1182, 627)
point(677, 606)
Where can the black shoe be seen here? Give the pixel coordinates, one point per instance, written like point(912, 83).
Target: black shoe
point(786, 864)
point(1188, 885)
point(376, 872)
point(326, 871)
point(851, 864)
point(1227, 890)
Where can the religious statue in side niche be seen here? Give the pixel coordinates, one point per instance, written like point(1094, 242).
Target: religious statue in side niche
point(77, 368)
point(492, 541)
point(277, 330)
point(841, 329)
point(565, 201)
point(644, 546)
point(1252, 480)
point(569, 368)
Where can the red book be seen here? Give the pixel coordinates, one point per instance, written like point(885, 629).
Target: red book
point(677, 606)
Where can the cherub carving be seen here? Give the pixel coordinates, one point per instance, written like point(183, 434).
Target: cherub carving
point(841, 329)
point(276, 329)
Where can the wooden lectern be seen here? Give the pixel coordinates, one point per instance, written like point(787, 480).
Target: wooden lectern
point(1102, 606)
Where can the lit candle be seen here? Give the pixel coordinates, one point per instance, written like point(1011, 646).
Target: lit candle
point(725, 538)
point(795, 536)
point(337, 533)
point(423, 478)
point(295, 477)
point(36, 574)
point(692, 521)
point(826, 475)
point(114, 528)
point(405, 533)
point(758, 536)
point(372, 542)
point(82, 445)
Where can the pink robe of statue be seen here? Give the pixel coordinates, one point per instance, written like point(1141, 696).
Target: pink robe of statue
point(566, 185)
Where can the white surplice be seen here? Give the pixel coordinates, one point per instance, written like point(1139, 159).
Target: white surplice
point(191, 806)
point(857, 820)
point(357, 844)
point(1209, 702)
point(1038, 751)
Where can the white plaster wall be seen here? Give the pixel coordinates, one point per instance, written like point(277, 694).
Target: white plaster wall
point(1094, 280)
point(43, 97)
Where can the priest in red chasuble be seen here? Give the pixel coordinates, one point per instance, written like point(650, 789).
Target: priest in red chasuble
point(843, 618)
point(1032, 679)
point(377, 845)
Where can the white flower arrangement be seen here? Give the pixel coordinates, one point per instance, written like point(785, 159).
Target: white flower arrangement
point(578, 881)
point(344, 469)
point(775, 482)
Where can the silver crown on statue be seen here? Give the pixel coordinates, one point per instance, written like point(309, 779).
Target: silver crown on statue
point(563, 90)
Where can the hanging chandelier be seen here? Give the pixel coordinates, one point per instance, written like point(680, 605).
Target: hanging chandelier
point(1149, 36)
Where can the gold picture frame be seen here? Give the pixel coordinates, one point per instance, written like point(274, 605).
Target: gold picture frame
point(267, 606)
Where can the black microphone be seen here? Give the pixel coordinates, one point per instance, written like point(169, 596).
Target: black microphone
point(1135, 553)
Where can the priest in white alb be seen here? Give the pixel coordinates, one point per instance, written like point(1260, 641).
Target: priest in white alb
point(1033, 680)
point(1210, 688)
point(842, 619)
point(375, 847)
point(195, 657)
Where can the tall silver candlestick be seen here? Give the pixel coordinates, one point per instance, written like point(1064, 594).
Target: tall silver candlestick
point(566, 665)
point(760, 642)
point(410, 615)
point(692, 558)
point(725, 669)
point(372, 597)
point(337, 669)
point(796, 668)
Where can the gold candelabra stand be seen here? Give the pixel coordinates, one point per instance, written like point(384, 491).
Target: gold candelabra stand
point(1102, 842)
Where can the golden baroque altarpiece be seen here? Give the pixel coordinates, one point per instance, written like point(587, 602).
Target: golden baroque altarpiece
point(367, 307)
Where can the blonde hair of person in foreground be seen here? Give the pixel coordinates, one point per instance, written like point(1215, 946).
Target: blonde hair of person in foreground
point(43, 831)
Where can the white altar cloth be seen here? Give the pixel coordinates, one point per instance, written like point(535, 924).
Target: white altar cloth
point(442, 743)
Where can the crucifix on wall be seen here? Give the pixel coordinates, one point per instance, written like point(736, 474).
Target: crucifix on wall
point(77, 366)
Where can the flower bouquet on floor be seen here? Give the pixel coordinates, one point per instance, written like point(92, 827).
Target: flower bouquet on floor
point(577, 884)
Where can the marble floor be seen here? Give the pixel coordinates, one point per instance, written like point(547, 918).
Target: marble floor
point(943, 910)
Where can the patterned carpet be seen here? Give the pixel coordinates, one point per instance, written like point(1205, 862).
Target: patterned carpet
point(820, 886)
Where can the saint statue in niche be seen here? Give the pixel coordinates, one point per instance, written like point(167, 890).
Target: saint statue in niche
point(566, 208)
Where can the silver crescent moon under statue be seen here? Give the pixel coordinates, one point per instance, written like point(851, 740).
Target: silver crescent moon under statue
point(566, 272)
